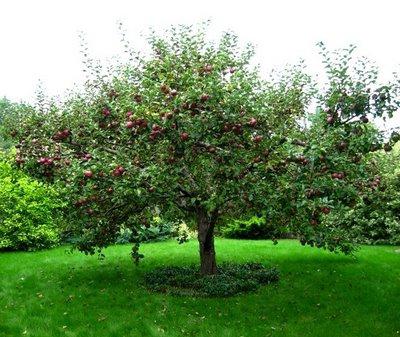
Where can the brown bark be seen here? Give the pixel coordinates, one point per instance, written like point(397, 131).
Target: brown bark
point(205, 228)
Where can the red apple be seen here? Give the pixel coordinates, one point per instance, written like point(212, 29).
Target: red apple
point(80, 202)
point(106, 112)
point(86, 157)
point(130, 124)
point(207, 68)
point(143, 123)
point(169, 115)
point(184, 136)
point(19, 160)
point(137, 98)
point(300, 158)
point(252, 122)
point(42, 160)
point(257, 138)
point(112, 94)
point(88, 174)
point(338, 175)
point(60, 135)
point(48, 162)
point(204, 97)
point(118, 171)
point(237, 129)
point(153, 135)
point(325, 210)
point(164, 89)
point(342, 145)
point(226, 127)
point(156, 127)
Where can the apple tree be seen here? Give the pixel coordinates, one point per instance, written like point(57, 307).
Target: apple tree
point(192, 132)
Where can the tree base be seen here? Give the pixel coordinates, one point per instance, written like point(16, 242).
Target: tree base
point(230, 279)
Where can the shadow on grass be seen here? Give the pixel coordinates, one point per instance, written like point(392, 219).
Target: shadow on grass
point(122, 273)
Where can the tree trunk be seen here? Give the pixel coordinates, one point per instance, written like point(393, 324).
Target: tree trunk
point(205, 228)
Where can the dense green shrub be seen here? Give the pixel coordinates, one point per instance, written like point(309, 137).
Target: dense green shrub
point(28, 211)
point(256, 227)
point(230, 279)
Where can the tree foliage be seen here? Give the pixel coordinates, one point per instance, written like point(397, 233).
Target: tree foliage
point(8, 112)
point(193, 132)
point(376, 216)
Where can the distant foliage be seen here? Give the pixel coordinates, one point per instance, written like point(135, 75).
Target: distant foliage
point(154, 232)
point(10, 114)
point(28, 211)
point(5, 107)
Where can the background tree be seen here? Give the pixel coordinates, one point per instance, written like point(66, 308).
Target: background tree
point(193, 132)
point(8, 111)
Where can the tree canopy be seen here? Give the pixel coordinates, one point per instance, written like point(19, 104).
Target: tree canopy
point(192, 132)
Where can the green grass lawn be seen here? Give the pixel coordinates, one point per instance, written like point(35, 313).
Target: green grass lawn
point(55, 293)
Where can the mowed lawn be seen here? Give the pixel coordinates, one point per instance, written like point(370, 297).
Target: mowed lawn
point(56, 293)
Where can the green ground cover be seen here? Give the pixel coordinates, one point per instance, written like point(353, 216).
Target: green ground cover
point(55, 293)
